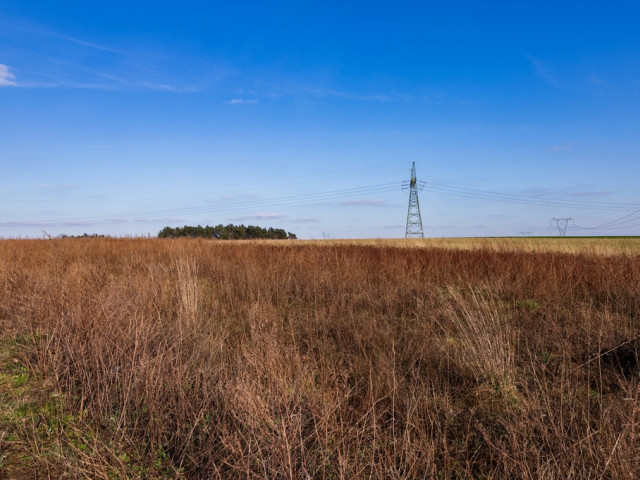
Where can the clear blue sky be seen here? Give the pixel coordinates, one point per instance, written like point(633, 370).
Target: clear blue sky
point(123, 117)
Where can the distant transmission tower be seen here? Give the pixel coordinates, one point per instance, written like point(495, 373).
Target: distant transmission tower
point(562, 224)
point(414, 220)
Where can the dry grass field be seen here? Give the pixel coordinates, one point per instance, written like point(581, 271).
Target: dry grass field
point(443, 359)
point(585, 245)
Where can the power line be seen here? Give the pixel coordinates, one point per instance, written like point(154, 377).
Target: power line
point(301, 179)
point(625, 221)
point(279, 201)
point(526, 199)
point(615, 223)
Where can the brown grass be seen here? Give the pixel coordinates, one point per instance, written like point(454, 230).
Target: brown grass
point(200, 359)
point(601, 246)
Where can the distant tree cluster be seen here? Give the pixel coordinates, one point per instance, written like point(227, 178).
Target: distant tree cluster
point(227, 232)
point(84, 235)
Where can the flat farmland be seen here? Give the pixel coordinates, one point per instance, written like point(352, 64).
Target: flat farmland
point(435, 358)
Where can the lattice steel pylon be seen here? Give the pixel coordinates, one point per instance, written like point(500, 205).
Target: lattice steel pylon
point(414, 220)
point(562, 224)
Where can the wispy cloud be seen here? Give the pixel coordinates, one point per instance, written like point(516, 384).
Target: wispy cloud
point(27, 224)
point(90, 145)
point(543, 71)
point(538, 192)
point(54, 83)
point(479, 226)
point(576, 191)
point(70, 62)
point(327, 92)
point(597, 193)
point(305, 220)
point(28, 28)
point(83, 43)
point(242, 101)
point(70, 223)
point(63, 84)
point(65, 186)
point(78, 224)
point(310, 87)
point(355, 203)
point(261, 216)
point(234, 196)
point(597, 81)
point(74, 61)
point(7, 79)
point(159, 220)
point(565, 147)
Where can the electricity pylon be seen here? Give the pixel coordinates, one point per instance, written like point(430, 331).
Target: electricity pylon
point(562, 224)
point(414, 220)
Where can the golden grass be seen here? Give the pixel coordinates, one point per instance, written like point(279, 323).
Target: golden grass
point(572, 245)
point(463, 358)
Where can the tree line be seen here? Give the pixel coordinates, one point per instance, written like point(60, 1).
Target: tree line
point(227, 232)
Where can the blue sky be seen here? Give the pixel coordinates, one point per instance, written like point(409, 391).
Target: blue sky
point(124, 117)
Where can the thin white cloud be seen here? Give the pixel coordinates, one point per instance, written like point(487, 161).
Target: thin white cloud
point(543, 71)
point(7, 79)
point(307, 88)
point(266, 216)
point(78, 224)
point(26, 224)
point(32, 29)
point(66, 64)
point(327, 92)
point(71, 223)
point(161, 87)
point(233, 196)
point(261, 216)
point(576, 191)
point(363, 203)
point(242, 101)
point(89, 145)
point(561, 148)
point(66, 186)
point(599, 193)
point(597, 81)
point(479, 226)
point(159, 220)
point(84, 43)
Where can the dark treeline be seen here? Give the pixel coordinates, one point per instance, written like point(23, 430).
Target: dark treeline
point(84, 235)
point(227, 232)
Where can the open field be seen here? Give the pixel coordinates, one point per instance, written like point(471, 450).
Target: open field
point(463, 358)
point(584, 245)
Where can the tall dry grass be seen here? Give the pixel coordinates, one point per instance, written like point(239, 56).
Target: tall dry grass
point(601, 246)
point(200, 359)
